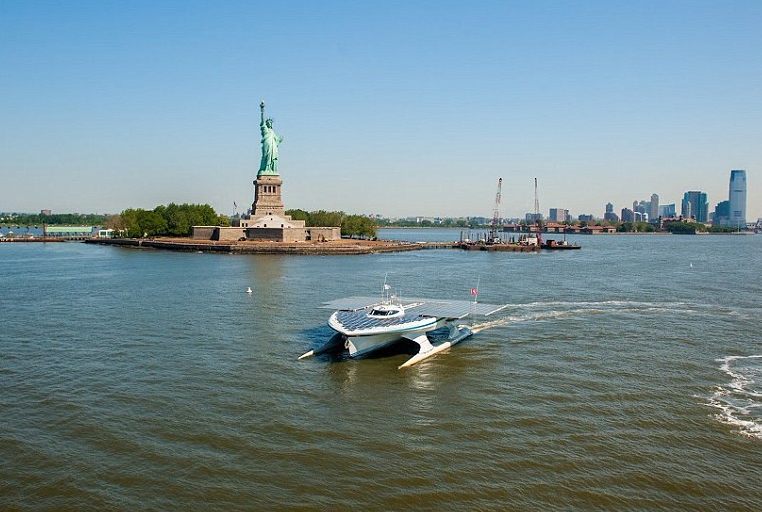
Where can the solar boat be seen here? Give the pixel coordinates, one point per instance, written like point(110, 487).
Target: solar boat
point(367, 324)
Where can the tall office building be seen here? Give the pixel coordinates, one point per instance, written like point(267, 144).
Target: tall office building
point(610, 216)
point(695, 205)
point(668, 210)
point(559, 215)
point(737, 198)
point(721, 214)
point(654, 213)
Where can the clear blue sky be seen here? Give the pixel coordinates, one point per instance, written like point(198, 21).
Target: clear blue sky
point(399, 108)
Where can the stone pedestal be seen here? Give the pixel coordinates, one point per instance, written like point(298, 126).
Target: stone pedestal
point(267, 198)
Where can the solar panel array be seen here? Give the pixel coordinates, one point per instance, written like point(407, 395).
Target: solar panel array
point(442, 308)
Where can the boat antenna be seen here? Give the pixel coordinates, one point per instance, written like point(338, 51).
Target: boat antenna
point(385, 289)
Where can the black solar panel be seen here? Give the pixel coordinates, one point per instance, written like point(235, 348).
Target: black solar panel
point(440, 308)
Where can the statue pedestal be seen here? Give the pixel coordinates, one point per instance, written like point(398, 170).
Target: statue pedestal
point(267, 198)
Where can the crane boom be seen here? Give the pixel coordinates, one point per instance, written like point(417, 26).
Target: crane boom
point(496, 212)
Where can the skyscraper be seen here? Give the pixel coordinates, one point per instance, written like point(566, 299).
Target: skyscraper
point(695, 205)
point(610, 216)
point(721, 214)
point(654, 213)
point(737, 198)
point(668, 210)
point(559, 215)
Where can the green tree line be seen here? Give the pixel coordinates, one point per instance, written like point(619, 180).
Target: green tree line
point(640, 227)
point(170, 220)
point(359, 226)
point(63, 219)
point(684, 228)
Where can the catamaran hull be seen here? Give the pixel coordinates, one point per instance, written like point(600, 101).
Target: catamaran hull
point(363, 345)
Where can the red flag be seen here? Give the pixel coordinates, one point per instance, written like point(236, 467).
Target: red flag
point(474, 292)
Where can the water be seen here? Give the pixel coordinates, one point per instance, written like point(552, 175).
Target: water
point(619, 378)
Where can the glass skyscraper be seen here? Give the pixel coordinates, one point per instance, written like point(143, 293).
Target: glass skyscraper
point(695, 206)
point(737, 198)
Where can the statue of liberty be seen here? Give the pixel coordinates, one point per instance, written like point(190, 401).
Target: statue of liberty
point(270, 142)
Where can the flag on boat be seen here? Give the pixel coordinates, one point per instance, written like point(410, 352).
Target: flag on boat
point(387, 287)
point(474, 292)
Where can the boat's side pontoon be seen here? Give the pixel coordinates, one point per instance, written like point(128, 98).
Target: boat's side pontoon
point(367, 324)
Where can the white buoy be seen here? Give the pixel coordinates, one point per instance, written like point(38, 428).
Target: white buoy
point(249, 290)
point(691, 264)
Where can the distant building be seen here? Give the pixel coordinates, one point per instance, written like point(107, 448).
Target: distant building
point(640, 217)
point(649, 209)
point(668, 211)
point(610, 216)
point(559, 215)
point(46, 213)
point(531, 218)
point(653, 213)
point(737, 198)
point(695, 205)
point(721, 214)
point(585, 218)
point(628, 215)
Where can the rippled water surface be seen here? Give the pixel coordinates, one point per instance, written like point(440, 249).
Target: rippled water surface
point(625, 376)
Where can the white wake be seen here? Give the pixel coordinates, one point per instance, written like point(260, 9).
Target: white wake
point(740, 401)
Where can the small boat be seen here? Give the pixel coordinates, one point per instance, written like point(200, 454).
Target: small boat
point(559, 245)
point(367, 324)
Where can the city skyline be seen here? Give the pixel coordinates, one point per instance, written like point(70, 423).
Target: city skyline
point(407, 111)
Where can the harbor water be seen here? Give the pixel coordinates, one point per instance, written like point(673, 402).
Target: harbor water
point(624, 376)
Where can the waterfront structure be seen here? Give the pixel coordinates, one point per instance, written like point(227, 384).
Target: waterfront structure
point(610, 216)
point(267, 219)
point(695, 205)
point(559, 215)
point(68, 232)
point(737, 198)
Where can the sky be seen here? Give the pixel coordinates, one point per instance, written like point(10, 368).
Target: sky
point(397, 108)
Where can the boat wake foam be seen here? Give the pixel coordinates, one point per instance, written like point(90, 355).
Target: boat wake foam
point(539, 311)
point(740, 400)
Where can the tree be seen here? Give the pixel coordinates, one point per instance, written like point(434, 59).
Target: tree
point(172, 219)
point(297, 214)
point(358, 225)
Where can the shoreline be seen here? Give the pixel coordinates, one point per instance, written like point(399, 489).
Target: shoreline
point(338, 247)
